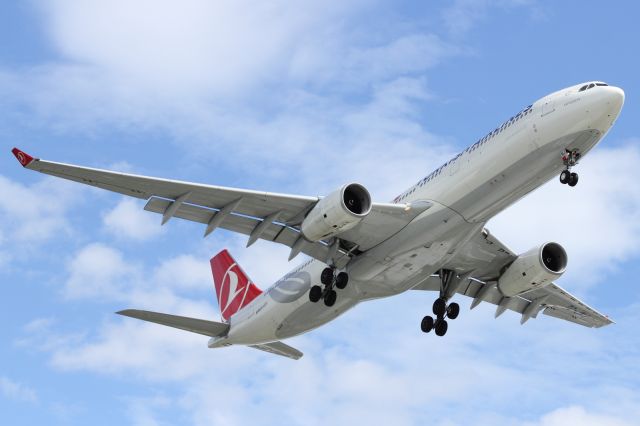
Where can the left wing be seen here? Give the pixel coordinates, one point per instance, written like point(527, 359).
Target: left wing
point(486, 256)
point(260, 215)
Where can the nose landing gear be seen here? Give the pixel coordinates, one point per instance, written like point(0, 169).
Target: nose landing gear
point(329, 279)
point(449, 283)
point(569, 158)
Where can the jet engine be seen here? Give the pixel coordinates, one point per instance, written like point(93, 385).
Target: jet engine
point(533, 269)
point(337, 212)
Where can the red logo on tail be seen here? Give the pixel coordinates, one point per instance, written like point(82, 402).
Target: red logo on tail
point(233, 288)
point(22, 157)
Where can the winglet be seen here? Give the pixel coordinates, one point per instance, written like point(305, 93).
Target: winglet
point(24, 158)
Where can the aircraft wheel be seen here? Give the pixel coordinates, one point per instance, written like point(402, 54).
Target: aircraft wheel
point(341, 280)
point(453, 310)
point(427, 324)
point(573, 179)
point(565, 177)
point(326, 277)
point(441, 327)
point(315, 293)
point(439, 307)
point(330, 298)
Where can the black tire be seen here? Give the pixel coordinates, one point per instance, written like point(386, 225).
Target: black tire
point(330, 298)
point(315, 293)
point(573, 179)
point(453, 310)
point(565, 176)
point(326, 277)
point(342, 280)
point(427, 324)
point(439, 307)
point(441, 327)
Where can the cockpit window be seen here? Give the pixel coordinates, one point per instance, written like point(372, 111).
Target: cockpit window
point(590, 86)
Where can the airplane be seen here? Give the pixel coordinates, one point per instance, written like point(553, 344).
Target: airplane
point(431, 237)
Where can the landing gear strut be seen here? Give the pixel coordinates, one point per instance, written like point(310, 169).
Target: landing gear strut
point(569, 158)
point(442, 310)
point(329, 280)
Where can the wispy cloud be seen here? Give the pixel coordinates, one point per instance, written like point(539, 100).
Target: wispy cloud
point(16, 391)
point(128, 220)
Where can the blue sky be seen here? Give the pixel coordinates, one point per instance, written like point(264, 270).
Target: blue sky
point(299, 98)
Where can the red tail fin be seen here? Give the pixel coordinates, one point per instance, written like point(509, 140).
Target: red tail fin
point(233, 288)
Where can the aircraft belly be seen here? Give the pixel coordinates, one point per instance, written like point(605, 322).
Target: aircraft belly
point(507, 186)
point(414, 253)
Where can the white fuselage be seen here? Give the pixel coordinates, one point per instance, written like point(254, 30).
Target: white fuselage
point(484, 179)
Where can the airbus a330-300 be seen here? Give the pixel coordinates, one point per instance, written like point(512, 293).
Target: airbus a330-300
point(432, 237)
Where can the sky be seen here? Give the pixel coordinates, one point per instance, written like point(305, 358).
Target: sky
point(300, 97)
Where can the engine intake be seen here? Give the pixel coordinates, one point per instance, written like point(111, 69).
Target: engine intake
point(533, 269)
point(337, 212)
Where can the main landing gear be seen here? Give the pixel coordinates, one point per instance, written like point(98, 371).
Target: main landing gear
point(569, 158)
point(329, 279)
point(442, 310)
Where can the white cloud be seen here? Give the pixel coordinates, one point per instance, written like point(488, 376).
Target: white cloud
point(462, 15)
point(184, 271)
point(193, 47)
point(37, 212)
point(101, 273)
point(172, 76)
point(143, 410)
point(577, 415)
point(128, 220)
point(98, 271)
point(16, 391)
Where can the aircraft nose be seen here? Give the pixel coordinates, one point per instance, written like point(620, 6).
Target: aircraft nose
point(615, 99)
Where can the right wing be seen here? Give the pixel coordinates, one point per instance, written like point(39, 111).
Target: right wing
point(265, 215)
point(486, 257)
point(552, 300)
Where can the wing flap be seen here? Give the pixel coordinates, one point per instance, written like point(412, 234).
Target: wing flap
point(279, 348)
point(568, 315)
point(276, 232)
point(194, 325)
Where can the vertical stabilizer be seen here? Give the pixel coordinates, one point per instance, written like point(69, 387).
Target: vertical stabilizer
point(233, 287)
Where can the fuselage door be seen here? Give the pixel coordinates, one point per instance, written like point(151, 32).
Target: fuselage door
point(548, 107)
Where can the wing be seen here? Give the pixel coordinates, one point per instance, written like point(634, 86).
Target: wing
point(486, 256)
point(260, 215)
point(279, 348)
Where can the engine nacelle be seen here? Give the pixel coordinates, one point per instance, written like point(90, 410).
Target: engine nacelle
point(533, 269)
point(337, 212)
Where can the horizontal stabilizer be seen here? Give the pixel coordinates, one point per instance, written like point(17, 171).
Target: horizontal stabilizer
point(279, 348)
point(208, 328)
